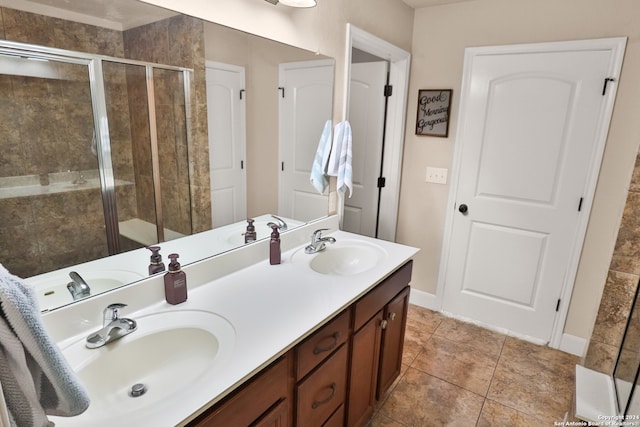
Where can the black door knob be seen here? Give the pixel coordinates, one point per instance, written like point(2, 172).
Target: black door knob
point(463, 209)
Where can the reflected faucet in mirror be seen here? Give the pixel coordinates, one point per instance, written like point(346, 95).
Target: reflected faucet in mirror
point(78, 287)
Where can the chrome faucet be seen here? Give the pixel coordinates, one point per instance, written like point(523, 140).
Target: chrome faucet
point(318, 243)
point(78, 287)
point(113, 327)
point(282, 225)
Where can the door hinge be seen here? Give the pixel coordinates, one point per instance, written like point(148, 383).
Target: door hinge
point(281, 89)
point(241, 93)
point(606, 82)
point(558, 305)
point(281, 166)
point(382, 182)
point(580, 204)
point(388, 90)
point(241, 164)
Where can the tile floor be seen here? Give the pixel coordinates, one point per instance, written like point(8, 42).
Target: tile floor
point(458, 374)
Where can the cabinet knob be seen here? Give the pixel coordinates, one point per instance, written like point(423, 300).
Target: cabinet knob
point(391, 316)
point(383, 324)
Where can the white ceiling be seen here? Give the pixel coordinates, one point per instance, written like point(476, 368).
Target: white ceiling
point(416, 4)
point(115, 14)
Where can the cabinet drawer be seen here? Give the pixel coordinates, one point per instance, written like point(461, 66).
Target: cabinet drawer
point(378, 297)
point(322, 343)
point(250, 402)
point(337, 419)
point(323, 392)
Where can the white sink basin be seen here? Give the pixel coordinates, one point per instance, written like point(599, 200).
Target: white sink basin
point(52, 291)
point(170, 354)
point(346, 258)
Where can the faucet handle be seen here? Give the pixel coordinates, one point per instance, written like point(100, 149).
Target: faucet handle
point(317, 235)
point(112, 313)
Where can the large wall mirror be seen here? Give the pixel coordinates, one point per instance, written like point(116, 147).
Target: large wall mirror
point(192, 126)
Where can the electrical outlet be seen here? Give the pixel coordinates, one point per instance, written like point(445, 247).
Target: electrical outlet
point(437, 175)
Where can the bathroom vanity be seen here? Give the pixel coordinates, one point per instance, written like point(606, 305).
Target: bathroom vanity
point(316, 340)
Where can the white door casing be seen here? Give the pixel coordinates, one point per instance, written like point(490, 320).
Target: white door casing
point(366, 117)
point(303, 111)
point(399, 64)
point(227, 142)
point(532, 129)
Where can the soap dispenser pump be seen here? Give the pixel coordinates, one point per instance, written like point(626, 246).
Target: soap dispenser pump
point(250, 233)
point(175, 282)
point(155, 262)
point(274, 246)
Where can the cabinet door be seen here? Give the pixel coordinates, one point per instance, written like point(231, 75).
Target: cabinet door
point(395, 316)
point(277, 417)
point(364, 372)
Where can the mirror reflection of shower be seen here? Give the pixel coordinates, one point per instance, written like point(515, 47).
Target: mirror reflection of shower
point(94, 156)
point(627, 368)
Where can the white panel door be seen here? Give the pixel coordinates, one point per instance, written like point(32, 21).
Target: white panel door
point(303, 112)
point(366, 116)
point(226, 125)
point(529, 140)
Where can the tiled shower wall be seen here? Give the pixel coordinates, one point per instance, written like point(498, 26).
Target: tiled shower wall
point(620, 288)
point(72, 230)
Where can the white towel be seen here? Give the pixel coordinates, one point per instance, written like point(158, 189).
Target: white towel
point(318, 177)
point(340, 159)
point(36, 379)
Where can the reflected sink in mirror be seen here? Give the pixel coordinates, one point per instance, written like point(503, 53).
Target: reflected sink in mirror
point(52, 292)
point(166, 359)
point(344, 258)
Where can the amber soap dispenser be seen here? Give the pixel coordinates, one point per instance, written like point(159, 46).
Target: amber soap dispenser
point(274, 246)
point(175, 282)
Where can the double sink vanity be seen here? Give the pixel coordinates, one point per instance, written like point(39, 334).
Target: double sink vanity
point(315, 340)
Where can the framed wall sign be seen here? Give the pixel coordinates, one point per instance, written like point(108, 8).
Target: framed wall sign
point(433, 112)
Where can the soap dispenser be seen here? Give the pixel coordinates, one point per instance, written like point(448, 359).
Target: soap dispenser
point(156, 265)
point(274, 246)
point(175, 282)
point(250, 233)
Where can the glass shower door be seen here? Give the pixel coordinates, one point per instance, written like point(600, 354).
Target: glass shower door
point(50, 203)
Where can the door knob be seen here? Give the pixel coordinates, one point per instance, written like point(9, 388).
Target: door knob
point(463, 209)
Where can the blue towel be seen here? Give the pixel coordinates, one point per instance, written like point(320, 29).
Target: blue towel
point(36, 379)
point(318, 177)
point(340, 159)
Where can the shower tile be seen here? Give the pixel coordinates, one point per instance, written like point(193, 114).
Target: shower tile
point(457, 364)
point(601, 357)
point(496, 415)
point(27, 27)
point(483, 340)
point(614, 308)
point(420, 399)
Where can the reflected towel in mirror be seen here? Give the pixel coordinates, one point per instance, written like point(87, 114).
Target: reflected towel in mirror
point(319, 178)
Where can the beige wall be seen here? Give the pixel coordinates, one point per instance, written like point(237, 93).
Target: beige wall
point(440, 35)
point(437, 43)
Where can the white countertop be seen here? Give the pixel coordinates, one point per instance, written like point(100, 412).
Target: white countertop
point(271, 308)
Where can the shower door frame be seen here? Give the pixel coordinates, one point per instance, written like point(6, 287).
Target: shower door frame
point(94, 63)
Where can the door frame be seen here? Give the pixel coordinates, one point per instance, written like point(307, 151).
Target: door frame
point(616, 46)
point(399, 61)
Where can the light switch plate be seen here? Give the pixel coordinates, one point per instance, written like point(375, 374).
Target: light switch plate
point(437, 175)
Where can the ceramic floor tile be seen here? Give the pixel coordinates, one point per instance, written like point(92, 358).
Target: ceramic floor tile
point(535, 380)
point(420, 400)
point(423, 319)
point(496, 415)
point(457, 363)
point(483, 340)
point(380, 420)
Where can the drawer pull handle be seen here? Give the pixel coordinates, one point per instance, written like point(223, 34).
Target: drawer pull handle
point(317, 403)
point(331, 346)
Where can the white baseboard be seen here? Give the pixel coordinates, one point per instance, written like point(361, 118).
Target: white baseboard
point(574, 345)
point(424, 299)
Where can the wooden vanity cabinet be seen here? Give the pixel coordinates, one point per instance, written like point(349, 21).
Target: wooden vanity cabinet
point(376, 344)
point(333, 378)
point(263, 401)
